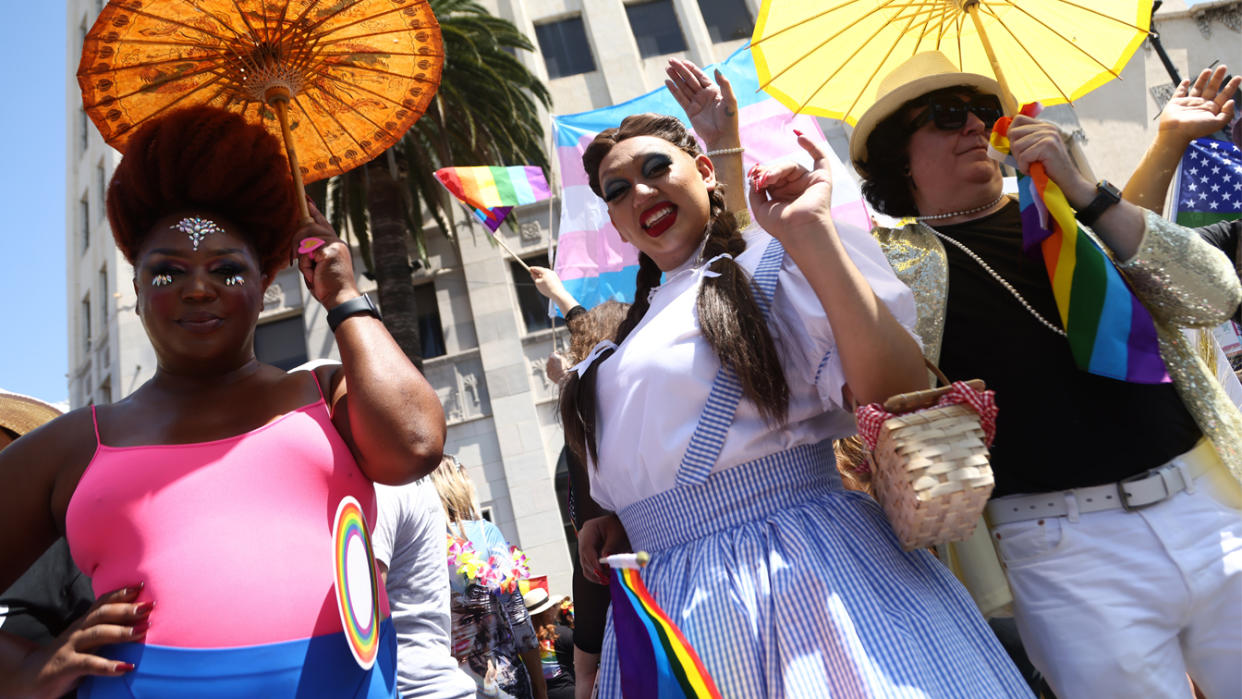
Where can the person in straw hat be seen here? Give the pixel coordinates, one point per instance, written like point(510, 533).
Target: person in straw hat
point(1113, 513)
point(556, 642)
point(53, 593)
point(203, 505)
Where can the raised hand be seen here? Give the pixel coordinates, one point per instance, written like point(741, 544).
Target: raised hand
point(1035, 141)
point(325, 261)
point(710, 106)
point(788, 200)
point(1202, 108)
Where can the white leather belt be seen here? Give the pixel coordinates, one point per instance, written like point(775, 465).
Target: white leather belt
point(1134, 493)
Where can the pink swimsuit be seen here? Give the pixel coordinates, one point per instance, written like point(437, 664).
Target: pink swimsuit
point(233, 540)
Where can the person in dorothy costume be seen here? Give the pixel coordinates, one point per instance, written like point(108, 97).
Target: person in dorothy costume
point(708, 427)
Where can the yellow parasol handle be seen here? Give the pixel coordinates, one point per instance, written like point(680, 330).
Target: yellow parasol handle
point(1007, 99)
point(278, 99)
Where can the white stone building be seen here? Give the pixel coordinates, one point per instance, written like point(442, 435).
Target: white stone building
point(485, 331)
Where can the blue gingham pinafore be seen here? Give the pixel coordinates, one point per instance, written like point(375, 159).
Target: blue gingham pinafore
point(787, 585)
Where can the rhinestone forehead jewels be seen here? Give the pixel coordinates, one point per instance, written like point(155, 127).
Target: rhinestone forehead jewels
point(196, 228)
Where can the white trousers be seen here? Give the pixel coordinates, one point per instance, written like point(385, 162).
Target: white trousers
point(1126, 604)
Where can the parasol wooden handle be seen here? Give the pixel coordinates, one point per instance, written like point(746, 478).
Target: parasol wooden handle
point(1007, 99)
point(278, 99)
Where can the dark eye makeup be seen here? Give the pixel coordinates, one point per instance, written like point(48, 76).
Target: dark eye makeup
point(654, 165)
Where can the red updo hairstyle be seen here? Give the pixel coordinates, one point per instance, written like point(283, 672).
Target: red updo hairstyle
point(205, 158)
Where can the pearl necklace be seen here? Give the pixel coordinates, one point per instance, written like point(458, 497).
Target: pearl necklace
point(996, 275)
point(985, 207)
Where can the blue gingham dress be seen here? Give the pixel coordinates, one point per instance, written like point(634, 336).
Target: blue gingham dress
point(787, 585)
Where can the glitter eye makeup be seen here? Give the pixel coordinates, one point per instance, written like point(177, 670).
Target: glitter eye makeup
point(235, 280)
point(161, 280)
point(196, 228)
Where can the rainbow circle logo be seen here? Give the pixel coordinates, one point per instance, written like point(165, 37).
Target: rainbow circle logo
point(357, 587)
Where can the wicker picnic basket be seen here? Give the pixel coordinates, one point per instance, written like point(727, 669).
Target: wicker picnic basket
point(930, 464)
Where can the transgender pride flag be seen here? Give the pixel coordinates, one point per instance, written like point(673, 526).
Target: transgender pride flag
point(592, 262)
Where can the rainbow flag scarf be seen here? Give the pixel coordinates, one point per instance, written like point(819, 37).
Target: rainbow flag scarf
point(1110, 332)
point(656, 661)
point(493, 191)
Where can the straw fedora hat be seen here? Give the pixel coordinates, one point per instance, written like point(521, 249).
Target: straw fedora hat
point(920, 74)
point(21, 414)
point(538, 600)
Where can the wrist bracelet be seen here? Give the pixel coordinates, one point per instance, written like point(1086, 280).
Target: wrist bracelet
point(724, 151)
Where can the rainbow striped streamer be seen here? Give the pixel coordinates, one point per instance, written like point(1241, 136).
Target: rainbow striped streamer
point(656, 661)
point(591, 260)
point(493, 191)
point(1110, 332)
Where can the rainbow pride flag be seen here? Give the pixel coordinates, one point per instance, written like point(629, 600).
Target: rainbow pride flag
point(493, 191)
point(656, 661)
point(1110, 332)
point(591, 260)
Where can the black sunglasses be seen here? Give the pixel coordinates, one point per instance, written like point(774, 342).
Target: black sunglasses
point(948, 112)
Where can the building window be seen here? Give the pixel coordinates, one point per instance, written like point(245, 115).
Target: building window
point(83, 131)
point(655, 27)
point(281, 343)
point(101, 181)
point(564, 47)
point(727, 19)
point(84, 226)
point(86, 326)
point(105, 294)
point(430, 330)
point(105, 392)
point(533, 305)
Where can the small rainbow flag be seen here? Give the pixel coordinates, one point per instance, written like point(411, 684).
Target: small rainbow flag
point(493, 191)
point(656, 660)
point(1110, 332)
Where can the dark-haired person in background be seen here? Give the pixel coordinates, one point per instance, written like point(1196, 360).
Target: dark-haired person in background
point(202, 505)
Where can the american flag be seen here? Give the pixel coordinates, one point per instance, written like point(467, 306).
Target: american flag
point(1209, 183)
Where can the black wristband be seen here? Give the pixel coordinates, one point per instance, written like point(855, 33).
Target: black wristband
point(339, 313)
point(574, 313)
point(1106, 195)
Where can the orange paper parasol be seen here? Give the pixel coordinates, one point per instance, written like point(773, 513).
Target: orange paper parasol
point(338, 80)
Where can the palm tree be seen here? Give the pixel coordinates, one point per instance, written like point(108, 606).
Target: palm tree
point(486, 112)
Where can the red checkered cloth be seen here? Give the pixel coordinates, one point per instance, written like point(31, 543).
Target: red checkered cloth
point(873, 415)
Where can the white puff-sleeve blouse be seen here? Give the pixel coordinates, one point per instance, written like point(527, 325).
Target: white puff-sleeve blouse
point(651, 391)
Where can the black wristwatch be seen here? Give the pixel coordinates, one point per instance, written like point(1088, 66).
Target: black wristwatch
point(1105, 196)
point(362, 304)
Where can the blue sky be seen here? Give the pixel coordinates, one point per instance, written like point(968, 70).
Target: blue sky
point(32, 185)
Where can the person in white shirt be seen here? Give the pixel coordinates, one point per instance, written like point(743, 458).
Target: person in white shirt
point(783, 582)
point(410, 547)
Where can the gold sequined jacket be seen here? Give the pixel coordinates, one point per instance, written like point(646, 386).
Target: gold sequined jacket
point(1181, 279)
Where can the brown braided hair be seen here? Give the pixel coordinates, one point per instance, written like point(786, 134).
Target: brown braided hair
point(729, 316)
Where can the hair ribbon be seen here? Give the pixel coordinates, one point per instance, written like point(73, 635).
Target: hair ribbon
point(706, 265)
point(603, 346)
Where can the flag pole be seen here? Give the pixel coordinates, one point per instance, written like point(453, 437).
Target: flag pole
point(520, 261)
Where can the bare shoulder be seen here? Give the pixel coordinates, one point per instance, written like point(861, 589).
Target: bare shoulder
point(57, 446)
point(40, 471)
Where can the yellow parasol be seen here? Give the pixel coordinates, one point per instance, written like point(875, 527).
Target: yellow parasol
point(338, 80)
point(827, 58)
